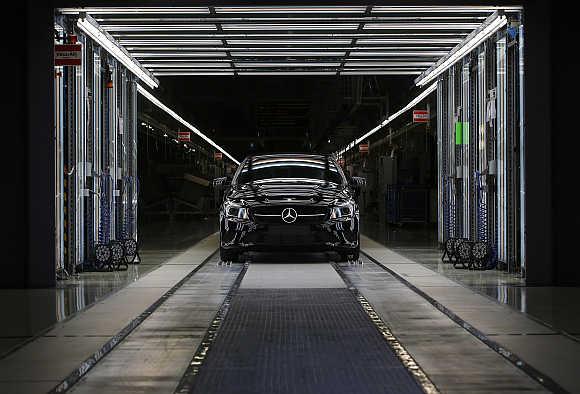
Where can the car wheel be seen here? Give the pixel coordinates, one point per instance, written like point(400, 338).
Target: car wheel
point(355, 254)
point(229, 255)
point(352, 255)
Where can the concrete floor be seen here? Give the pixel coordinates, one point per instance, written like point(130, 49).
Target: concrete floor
point(118, 348)
point(33, 311)
point(556, 307)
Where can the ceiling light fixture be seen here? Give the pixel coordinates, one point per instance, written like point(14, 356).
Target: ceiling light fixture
point(287, 73)
point(168, 42)
point(192, 73)
point(93, 30)
point(484, 31)
point(289, 26)
point(133, 10)
point(290, 10)
point(286, 54)
point(287, 64)
point(442, 40)
point(142, 27)
point(420, 26)
point(165, 55)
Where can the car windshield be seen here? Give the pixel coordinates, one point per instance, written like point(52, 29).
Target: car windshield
point(280, 168)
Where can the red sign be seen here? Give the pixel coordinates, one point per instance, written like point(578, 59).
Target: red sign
point(420, 116)
point(363, 148)
point(67, 55)
point(183, 136)
point(217, 155)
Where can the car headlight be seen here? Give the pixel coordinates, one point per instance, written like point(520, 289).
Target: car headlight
point(342, 211)
point(234, 211)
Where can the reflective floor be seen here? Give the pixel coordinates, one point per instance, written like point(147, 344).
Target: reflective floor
point(557, 307)
point(32, 311)
point(297, 323)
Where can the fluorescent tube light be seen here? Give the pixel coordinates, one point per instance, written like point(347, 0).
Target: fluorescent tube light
point(191, 73)
point(92, 29)
point(288, 42)
point(134, 10)
point(420, 26)
point(387, 64)
point(145, 43)
point(489, 27)
point(156, 71)
point(394, 116)
point(286, 54)
point(143, 27)
point(289, 10)
point(289, 26)
point(175, 116)
point(442, 40)
point(286, 72)
point(153, 66)
point(379, 72)
point(399, 53)
point(287, 64)
point(164, 55)
point(446, 9)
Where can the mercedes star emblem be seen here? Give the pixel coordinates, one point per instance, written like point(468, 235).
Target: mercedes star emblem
point(289, 215)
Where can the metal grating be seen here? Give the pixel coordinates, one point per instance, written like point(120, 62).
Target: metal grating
point(288, 40)
point(300, 341)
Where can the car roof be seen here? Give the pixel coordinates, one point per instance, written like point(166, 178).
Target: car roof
point(257, 159)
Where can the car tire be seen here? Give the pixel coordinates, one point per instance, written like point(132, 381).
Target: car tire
point(229, 255)
point(351, 255)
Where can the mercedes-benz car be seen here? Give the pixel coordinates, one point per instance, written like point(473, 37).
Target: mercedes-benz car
point(289, 202)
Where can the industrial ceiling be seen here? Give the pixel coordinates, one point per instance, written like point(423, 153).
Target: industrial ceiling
point(288, 40)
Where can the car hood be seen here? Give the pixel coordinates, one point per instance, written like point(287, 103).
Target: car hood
point(288, 192)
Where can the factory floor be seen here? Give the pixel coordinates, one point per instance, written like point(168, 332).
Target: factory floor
point(556, 307)
point(396, 321)
point(33, 311)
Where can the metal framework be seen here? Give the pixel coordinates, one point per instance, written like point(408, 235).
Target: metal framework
point(288, 40)
point(480, 170)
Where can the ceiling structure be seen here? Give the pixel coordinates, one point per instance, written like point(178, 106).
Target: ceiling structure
point(288, 40)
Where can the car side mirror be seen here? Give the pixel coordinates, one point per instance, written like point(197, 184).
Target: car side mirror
point(220, 185)
point(357, 184)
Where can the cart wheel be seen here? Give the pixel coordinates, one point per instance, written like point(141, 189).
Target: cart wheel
point(102, 256)
point(117, 254)
point(464, 253)
point(130, 247)
point(480, 253)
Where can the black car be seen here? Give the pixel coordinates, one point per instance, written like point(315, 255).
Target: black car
point(289, 202)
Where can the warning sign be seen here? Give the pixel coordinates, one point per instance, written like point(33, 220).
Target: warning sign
point(420, 116)
point(184, 136)
point(67, 55)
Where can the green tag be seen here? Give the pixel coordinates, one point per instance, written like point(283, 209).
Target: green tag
point(466, 133)
point(458, 133)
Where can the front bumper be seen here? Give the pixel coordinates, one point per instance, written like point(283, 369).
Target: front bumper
point(327, 236)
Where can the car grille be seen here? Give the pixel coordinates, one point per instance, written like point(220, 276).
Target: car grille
point(307, 214)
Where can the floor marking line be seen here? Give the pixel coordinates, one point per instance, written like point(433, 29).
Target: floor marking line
point(513, 358)
point(401, 252)
point(90, 362)
point(188, 380)
point(396, 346)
